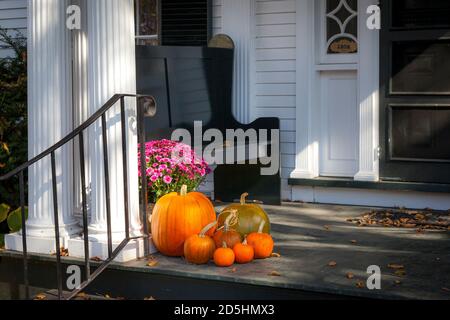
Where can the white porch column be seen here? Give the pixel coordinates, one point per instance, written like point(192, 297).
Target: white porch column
point(111, 70)
point(307, 147)
point(238, 21)
point(368, 80)
point(80, 102)
point(49, 120)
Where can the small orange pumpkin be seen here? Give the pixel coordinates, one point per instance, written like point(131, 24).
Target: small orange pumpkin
point(224, 257)
point(199, 249)
point(176, 217)
point(243, 252)
point(261, 242)
point(226, 234)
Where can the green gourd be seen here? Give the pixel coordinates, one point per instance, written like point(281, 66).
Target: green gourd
point(249, 217)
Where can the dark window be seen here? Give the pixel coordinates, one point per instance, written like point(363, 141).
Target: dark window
point(420, 133)
point(421, 67)
point(173, 22)
point(420, 14)
point(185, 23)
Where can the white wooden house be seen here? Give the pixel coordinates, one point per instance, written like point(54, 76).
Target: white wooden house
point(344, 138)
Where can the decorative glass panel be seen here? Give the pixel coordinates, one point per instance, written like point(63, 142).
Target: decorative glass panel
point(420, 13)
point(147, 22)
point(420, 133)
point(421, 67)
point(342, 26)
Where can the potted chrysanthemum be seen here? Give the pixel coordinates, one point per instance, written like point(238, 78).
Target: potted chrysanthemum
point(169, 166)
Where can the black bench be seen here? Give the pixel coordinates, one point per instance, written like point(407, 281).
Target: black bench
point(195, 84)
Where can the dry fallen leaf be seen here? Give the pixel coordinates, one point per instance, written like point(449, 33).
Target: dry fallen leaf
point(149, 298)
point(326, 228)
point(233, 270)
point(40, 296)
point(360, 284)
point(332, 264)
point(275, 274)
point(396, 266)
point(152, 263)
point(96, 259)
point(445, 289)
point(275, 255)
point(83, 296)
point(354, 241)
point(350, 275)
point(400, 273)
point(420, 216)
point(397, 282)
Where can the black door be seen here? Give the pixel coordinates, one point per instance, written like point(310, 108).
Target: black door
point(415, 91)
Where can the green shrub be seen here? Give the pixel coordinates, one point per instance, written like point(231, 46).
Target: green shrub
point(13, 114)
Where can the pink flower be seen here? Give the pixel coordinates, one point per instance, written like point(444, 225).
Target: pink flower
point(167, 179)
point(153, 178)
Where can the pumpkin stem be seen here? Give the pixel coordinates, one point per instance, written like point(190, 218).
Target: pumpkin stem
point(207, 228)
point(245, 241)
point(224, 245)
point(261, 226)
point(183, 191)
point(231, 220)
point(243, 198)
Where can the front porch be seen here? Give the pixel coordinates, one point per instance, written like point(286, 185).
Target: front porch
point(308, 237)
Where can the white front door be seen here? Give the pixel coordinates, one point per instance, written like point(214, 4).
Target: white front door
point(337, 92)
point(339, 136)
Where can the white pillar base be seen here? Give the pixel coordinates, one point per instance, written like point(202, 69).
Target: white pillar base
point(42, 245)
point(366, 176)
point(98, 247)
point(302, 174)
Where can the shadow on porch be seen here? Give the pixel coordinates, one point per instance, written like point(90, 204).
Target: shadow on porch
point(308, 237)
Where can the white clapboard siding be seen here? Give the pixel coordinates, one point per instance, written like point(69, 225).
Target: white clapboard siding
point(274, 86)
point(13, 16)
point(217, 16)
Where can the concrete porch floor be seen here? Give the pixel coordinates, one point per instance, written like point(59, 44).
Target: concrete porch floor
point(308, 237)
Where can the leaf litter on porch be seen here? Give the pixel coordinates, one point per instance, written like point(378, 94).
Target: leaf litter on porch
point(403, 218)
point(63, 251)
point(151, 262)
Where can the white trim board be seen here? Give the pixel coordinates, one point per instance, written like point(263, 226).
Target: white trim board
point(374, 198)
point(307, 132)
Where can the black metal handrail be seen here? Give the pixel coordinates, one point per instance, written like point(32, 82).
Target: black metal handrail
point(78, 132)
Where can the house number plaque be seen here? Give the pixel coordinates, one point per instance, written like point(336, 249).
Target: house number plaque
point(343, 46)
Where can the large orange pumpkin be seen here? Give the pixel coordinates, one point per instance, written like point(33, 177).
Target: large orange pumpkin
point(176, 217)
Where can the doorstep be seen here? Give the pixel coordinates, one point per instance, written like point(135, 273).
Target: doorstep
point(325, 182)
